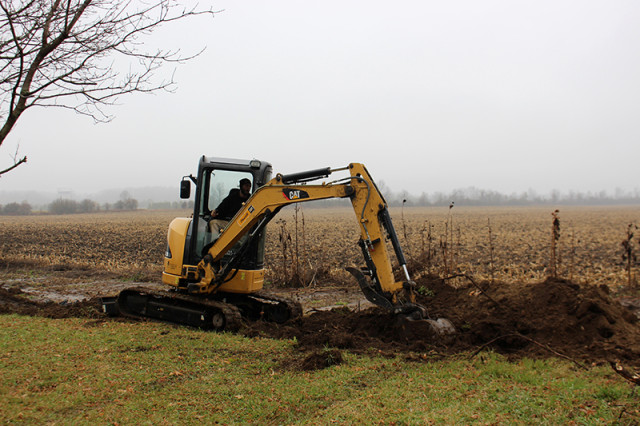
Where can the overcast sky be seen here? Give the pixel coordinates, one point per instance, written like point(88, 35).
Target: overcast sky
point(430, 95)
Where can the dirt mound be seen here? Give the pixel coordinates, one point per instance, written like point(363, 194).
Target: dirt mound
point(552, 318)
point(14, 301)
point(579, 321)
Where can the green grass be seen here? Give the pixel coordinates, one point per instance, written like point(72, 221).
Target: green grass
point(78, 372)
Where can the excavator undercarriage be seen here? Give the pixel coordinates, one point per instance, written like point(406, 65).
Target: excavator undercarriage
point(219, 312)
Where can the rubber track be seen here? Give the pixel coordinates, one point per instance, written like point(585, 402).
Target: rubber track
point(233, 318)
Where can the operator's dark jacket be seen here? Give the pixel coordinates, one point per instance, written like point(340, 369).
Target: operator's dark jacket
point(230, 205)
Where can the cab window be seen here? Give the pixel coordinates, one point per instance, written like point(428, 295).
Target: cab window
point(220, 183)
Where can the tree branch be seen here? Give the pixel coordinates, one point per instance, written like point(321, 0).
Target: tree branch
point(55, 53)
point(15, 164)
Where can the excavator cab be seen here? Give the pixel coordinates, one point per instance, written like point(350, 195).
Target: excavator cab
point(215, 179)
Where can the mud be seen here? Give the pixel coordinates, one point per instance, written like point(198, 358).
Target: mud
point(15, 301)
point(549, 319)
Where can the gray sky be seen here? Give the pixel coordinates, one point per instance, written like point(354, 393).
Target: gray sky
point(430, 95)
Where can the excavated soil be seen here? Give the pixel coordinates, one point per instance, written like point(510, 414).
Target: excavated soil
point(549, 319)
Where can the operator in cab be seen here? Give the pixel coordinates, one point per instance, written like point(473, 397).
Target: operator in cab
point(229, 206)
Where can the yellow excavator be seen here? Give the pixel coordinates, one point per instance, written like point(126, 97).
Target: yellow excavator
point(217, 272)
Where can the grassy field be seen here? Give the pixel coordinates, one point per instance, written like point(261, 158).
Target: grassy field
point(75, 371)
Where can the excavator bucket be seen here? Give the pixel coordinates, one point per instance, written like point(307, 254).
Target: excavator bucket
point(413, 313)
point(368, 290)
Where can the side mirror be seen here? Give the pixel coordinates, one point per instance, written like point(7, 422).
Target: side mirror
point(185, 188)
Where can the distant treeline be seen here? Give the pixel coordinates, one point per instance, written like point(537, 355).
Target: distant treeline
point(15, 209)
point(67, 206)
point(170, 205)
point(480, 197)
point(466, 197)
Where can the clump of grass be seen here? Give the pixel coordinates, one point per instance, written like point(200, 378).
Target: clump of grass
point(425, 291)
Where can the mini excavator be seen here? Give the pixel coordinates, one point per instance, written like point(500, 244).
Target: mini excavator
point(216, 273)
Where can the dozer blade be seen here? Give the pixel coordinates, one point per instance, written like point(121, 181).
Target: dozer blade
point(110, 305)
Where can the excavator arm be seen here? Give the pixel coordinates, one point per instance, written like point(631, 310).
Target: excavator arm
point(376, 278)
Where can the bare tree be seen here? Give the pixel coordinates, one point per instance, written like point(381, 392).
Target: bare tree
point(65, 53)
